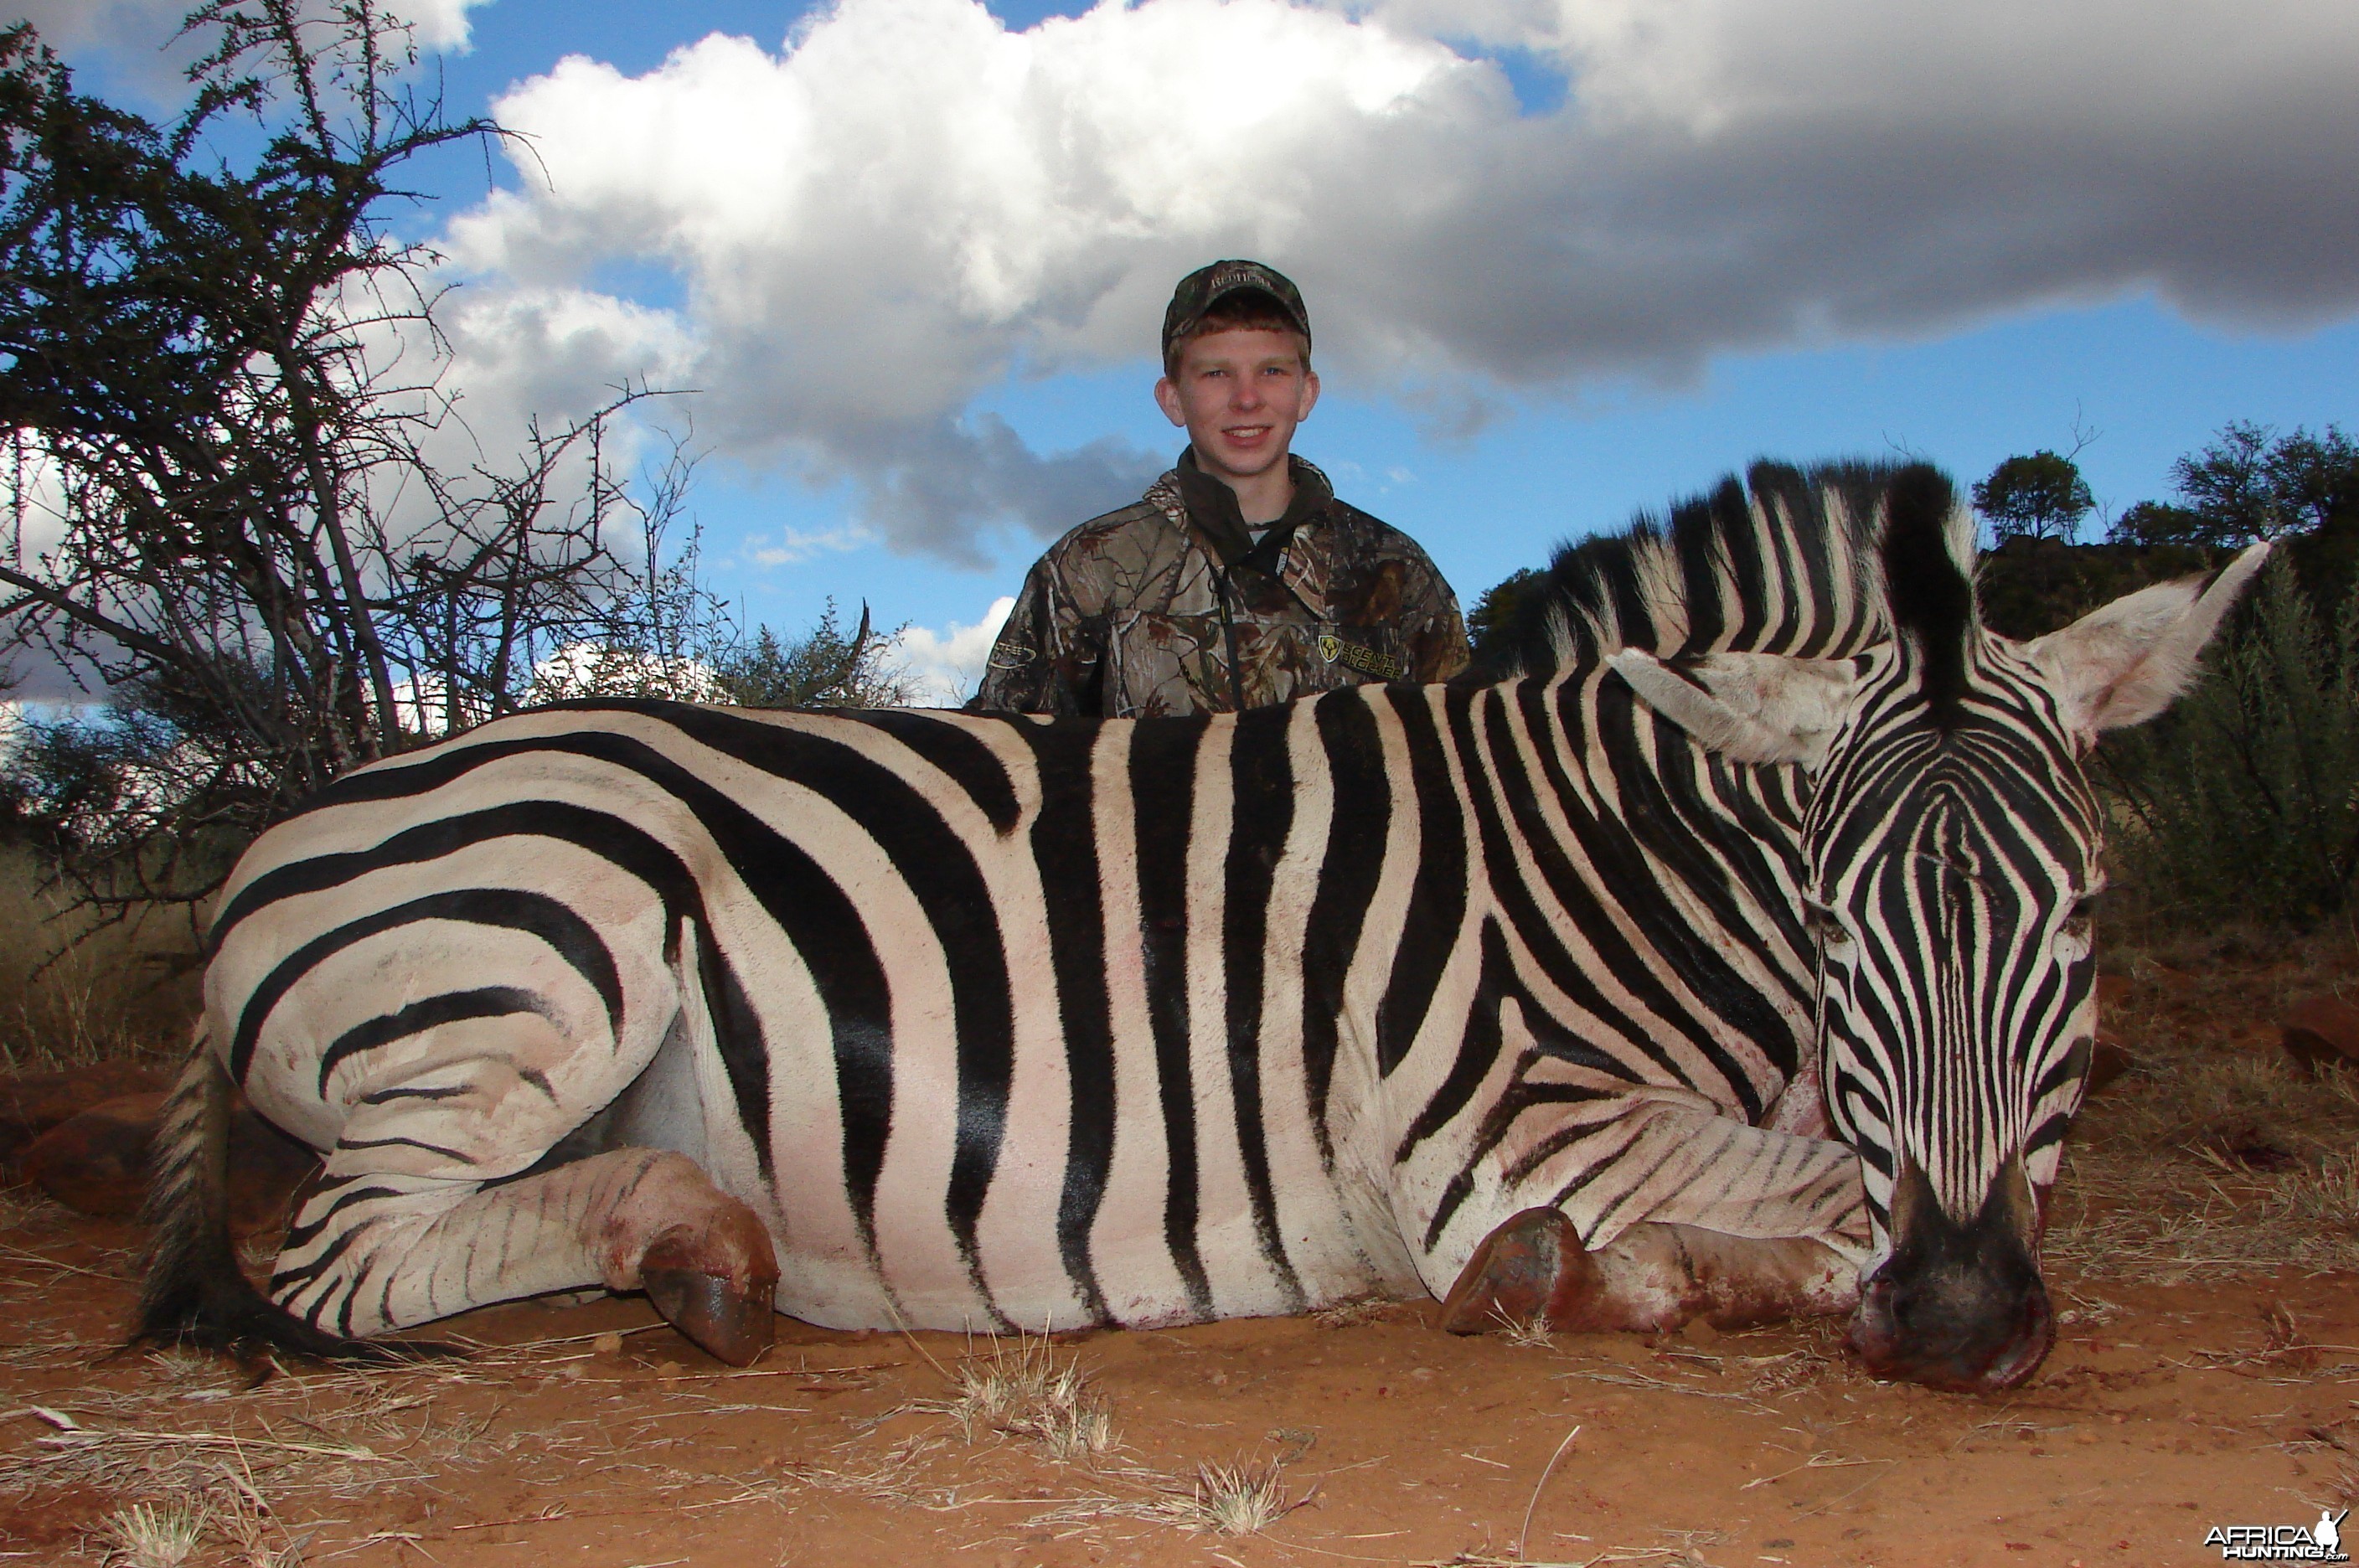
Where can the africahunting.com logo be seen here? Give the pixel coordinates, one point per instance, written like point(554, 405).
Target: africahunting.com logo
point(2320, 1543)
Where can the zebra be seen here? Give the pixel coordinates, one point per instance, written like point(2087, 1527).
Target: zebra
point(1730, 958)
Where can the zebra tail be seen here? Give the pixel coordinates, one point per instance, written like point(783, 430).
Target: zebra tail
point(193, 1291)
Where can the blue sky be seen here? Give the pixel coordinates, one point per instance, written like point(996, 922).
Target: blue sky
point(1568, 258)
point(2147, 383)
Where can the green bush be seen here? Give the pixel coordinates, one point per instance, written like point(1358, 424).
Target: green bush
point(2241, 805)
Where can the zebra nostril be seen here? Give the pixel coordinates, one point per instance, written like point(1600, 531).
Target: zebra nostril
point(1876, 1332)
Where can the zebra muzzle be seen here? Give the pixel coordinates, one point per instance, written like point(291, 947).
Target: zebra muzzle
point(1957, 1305)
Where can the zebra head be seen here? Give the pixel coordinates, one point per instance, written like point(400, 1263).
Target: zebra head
point(1948, 860)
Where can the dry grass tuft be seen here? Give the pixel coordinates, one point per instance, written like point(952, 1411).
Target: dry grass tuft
point(168, 1534)
point(1531, 1334)
point(154, 1535)
point(250, 1529)
point(1032, 1394)
point(1234, 1499)
point(1023, 1389)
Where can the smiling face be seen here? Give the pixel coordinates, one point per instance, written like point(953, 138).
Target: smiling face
point(1239, 393)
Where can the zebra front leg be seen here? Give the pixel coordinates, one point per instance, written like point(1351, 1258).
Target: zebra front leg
point(1534, 1270)
point(1661, 1211)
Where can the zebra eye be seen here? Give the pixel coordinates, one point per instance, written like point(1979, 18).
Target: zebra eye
point(2076, 937)
point(1824, 924)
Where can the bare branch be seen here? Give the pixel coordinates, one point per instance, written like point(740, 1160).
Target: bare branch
point(223, 389)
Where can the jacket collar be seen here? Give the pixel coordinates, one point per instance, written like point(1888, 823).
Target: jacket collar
point(1213, 509)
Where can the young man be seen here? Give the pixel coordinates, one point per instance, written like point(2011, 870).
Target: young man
point(1238, 580)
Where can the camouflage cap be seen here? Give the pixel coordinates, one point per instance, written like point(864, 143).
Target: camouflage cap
point(1208, 286)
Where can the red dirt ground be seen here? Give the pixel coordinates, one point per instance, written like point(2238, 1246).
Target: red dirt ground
point(2167, 1408)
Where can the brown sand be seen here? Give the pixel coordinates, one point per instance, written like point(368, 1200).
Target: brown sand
point(2179, 1398)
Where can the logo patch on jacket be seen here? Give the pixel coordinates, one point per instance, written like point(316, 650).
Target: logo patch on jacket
point(1367, 660)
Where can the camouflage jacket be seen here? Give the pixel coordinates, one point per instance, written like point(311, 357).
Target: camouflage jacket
point(1171, 606)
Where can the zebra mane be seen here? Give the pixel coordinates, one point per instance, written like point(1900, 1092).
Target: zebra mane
point(1820, 562)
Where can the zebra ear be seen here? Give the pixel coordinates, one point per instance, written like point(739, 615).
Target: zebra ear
point(2126, 663)
point(1750, 707)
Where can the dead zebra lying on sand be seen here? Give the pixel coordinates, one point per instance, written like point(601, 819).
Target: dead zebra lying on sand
point(1733, 959)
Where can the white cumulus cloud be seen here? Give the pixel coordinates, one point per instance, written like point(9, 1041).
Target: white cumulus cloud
point(878, 219)
point(948, 664)
point(892, 210)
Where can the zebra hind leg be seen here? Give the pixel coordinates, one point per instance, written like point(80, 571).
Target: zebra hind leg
point(375, 1249)
point(715, 1279)
point(439, 1196)
point(1534, 1270)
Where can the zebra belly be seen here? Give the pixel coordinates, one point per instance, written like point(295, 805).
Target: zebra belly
point(1035, 1262)
point(834, 1292)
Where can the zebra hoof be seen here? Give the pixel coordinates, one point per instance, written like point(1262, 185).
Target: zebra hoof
point(730, 1321)
point(1533, 1268)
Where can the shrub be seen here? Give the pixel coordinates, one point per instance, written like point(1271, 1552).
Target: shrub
point(2242, 804)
